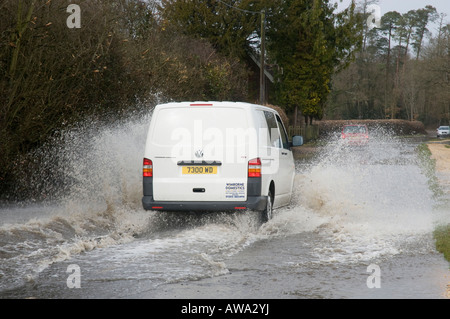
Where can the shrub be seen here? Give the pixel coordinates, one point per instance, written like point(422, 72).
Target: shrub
point(395, 127)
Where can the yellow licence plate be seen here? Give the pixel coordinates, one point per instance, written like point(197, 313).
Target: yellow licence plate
point(199, 169)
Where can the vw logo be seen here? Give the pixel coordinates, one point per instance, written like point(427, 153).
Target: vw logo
point(199, 153)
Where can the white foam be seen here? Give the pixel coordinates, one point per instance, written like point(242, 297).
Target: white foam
point(362, 203)
point(365, 202)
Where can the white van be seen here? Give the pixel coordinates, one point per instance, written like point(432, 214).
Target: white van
point(217, 156)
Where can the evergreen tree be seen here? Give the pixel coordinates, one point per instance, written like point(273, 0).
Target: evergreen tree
point(227, 25)
point(309, 42)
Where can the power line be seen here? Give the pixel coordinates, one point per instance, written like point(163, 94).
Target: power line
point(238, 9)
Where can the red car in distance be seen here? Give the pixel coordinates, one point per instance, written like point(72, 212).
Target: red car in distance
point(355, 134)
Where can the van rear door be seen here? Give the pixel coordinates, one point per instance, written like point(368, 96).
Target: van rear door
point(199, 153)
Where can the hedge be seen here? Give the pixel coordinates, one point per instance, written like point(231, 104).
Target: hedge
point(395, 127)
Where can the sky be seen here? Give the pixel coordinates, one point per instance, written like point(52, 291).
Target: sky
point(403, 6)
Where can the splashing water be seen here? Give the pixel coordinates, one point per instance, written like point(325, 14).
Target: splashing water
point(361, 203)
point(91, 182)
point(374, 200)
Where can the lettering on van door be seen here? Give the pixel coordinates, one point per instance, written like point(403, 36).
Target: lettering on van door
point(235, 190)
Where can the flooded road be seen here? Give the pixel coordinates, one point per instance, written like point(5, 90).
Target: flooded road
point(359, 226)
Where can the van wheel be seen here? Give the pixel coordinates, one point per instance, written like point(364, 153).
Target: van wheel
point(266, 214)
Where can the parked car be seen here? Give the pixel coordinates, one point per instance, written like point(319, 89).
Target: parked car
point(217, 156)
point(355, 134)
point(443, 131)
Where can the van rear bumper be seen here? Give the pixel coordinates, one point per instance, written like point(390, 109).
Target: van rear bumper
point(257, 203)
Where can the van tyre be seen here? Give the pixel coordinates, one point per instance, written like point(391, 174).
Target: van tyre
point(267, 213)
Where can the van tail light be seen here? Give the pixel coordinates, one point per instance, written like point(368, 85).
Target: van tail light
point(254, 167)
point(147, 168)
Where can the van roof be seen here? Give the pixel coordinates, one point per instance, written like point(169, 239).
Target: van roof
point(213, 104)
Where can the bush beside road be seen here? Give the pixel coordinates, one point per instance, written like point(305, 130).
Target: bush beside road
point(440, 154)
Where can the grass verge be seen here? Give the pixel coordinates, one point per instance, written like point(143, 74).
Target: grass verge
point(428, 166)
point(442, 233)
point(442, 236)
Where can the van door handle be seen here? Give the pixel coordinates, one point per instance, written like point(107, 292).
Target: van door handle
point(283, 153)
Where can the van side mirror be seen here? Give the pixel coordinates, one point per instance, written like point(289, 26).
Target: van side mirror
point(297, 140)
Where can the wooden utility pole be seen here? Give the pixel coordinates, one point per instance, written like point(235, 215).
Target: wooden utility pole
point(262, 94)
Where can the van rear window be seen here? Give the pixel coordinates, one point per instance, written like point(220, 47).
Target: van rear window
point(204, 123)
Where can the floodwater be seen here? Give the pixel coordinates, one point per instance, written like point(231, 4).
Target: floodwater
point(359, 226)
